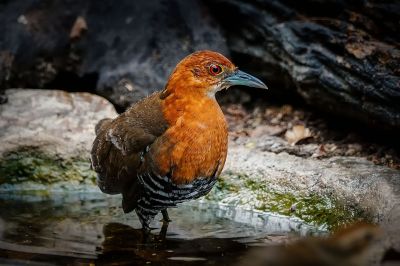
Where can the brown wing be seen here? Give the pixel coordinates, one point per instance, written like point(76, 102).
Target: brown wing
point(120, 143)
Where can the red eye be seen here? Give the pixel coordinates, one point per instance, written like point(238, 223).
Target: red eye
point(215, 69)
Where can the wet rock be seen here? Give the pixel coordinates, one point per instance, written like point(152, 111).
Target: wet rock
point(84, 45)
point(328, 192)
point(46, 137)
point(342, 57)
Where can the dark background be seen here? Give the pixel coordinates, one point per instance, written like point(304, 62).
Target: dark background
point(338, 57)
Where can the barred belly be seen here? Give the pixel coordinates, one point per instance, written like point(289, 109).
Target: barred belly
point(161, 193)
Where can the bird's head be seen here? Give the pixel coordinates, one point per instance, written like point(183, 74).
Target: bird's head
point(206, 72)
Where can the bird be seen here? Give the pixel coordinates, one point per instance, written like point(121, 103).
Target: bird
point(171, 146)
point(351, 245)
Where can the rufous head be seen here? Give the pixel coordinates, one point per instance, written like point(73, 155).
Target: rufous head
point(207, 72)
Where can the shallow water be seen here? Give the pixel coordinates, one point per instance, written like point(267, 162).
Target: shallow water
point(89, 228)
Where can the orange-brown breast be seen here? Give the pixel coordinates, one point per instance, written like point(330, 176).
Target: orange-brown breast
point(195, 144)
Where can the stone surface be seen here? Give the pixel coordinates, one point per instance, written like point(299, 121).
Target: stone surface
point(328, 192)
point(354, 180)
point(58, 121)
point(340, 56)
point(139, 40)
point(46, 135)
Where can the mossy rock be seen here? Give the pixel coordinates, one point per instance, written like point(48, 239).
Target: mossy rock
point(325, 211)
point(31, 164)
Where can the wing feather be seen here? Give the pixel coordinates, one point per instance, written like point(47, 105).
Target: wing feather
point(120, 143)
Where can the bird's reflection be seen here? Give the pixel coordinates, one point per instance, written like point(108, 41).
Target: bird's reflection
point(125, 245)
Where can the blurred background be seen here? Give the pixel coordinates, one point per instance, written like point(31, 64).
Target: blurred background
point(320, 146)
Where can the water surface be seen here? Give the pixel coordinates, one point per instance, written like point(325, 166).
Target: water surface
point(90, 228)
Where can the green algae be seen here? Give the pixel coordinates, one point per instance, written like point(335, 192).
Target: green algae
point(320, 210)
point(30, 164)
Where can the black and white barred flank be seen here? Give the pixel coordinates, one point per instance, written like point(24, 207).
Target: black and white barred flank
point(161, 193)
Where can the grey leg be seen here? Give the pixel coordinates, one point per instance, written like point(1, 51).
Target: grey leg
point(165, 216)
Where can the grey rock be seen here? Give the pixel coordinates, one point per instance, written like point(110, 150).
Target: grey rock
point(342, 57)
point(46, 137)
point(352, 181)
point(57, 121)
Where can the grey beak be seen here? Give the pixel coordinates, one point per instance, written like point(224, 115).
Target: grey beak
point(242, 78)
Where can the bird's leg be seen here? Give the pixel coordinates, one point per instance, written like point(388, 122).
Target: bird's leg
point(165, 220)
point(165, 216)
point(163, 231)
point(146, 233)
point(146, 229)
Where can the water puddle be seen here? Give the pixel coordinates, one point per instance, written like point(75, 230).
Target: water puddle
point(89, 228)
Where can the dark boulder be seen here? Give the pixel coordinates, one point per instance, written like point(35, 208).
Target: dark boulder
point(86, 45)
point(340, 56)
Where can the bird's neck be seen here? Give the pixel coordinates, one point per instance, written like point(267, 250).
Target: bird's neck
point(194, 106)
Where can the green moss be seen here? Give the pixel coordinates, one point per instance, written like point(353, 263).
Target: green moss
point(312, 208)
point(224, 186)
point(32, 164)
point(320, 210)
